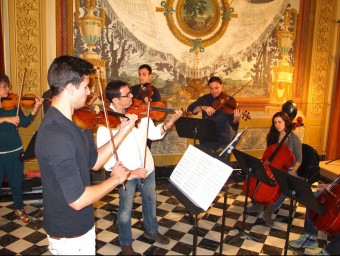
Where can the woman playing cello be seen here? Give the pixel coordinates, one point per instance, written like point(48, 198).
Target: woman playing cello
point(310, 238)
point(280, 124)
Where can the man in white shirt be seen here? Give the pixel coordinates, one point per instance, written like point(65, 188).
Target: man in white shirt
point(136, 156)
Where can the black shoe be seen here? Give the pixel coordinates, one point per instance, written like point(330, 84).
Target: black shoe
point(159, 238)
point(128, 250)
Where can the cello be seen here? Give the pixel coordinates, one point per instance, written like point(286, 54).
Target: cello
point(278, 156)
point(330, 199)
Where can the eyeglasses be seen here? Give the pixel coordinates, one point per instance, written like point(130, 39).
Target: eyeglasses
point(126, 96)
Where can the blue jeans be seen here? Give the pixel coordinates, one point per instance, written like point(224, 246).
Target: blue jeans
point(148, 208)
point(278, 203)
point(309, 226)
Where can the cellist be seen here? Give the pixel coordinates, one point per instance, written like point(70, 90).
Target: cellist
point(280, 124)
point(309, 239)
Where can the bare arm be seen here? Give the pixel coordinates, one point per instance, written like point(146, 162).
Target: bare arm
point(95, 192)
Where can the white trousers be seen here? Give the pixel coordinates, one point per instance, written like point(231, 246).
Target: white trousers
point(82, 245)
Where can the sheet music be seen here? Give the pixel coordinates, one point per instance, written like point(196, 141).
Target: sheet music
point(233, 143)
point(200, 176)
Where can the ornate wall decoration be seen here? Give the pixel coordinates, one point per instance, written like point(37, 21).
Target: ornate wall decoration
point(28, 44)
point(191, 21)
point(321, 63)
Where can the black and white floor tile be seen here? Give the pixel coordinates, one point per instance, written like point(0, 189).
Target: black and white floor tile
point(30, 239)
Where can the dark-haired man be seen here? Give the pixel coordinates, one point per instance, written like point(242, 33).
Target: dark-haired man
point(224, 122)
point(141, 91)
point(66, 154)
point(135, 156)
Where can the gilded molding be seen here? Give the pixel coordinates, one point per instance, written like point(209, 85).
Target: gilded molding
point(28, 47)
point(321, 65)
point(171, 21)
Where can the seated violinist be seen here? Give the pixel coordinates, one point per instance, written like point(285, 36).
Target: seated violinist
point(223, 120)
point(145, 91)
point(309, 239)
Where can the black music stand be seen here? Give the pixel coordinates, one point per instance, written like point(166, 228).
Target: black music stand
point(29, 153)
point(195, 128)
point(191, 207)
point(296, 189)
point(224, 156)
point(252, 166)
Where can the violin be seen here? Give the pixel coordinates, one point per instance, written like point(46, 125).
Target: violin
point(228, 104)
point(278, 156)
point(145, 92)
point(158, 111)
point(11, 102)
point(330, 199)
point(89, 117)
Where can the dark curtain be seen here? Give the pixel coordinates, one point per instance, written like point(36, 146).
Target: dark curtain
point(2, 59)
point(333, 148)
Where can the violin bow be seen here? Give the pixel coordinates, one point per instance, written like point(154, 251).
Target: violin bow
point(146, 138)
point(20, 91)
point(113, 147)
point(242, 87)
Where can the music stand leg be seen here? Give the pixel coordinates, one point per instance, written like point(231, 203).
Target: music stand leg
point(223, 217)
point(245, 213)
point(194, 245)
point(290, 218)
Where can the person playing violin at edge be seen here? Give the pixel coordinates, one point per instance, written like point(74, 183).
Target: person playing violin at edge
point(11, 146)
point(224, 122)
point(310, 238)
point(280, 124)
point(145, 91)
point(135, 156)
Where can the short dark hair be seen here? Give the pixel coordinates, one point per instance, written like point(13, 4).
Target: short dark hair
point(4, 78)
point(67, 69)
point(147, 67)
point(215, 79)
point(113, 89)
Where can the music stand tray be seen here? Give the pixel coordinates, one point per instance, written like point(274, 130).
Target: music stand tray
point(253, 166)
point(296, 189)
point(195, 128)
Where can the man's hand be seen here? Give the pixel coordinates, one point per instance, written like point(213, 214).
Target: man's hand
point(237, 115)
point(120, 172)
point(209, 110)
point(129, 122)
point(139, 173)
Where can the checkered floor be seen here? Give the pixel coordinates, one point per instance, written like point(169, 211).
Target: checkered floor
point(174, 222)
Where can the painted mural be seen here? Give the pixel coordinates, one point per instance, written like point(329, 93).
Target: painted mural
point(250, 43)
